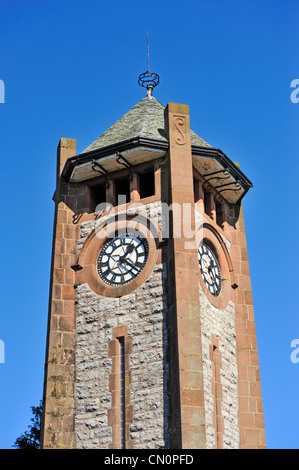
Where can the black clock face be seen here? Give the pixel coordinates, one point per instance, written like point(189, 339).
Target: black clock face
point(210, 269)
point(122, 259)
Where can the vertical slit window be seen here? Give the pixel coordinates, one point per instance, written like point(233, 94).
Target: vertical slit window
point(207, 203)
point(147, 184)
point(97, 196)
point(122, 392)
point(122, 191)
point(215, 395)
point(219, 214)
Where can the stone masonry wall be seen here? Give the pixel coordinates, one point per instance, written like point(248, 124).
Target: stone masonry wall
point(144, 313)
point(221, 324)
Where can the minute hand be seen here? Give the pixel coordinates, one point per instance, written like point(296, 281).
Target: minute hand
point(211, 272)
point(131, 264)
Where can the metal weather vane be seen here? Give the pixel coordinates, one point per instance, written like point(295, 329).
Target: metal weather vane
point(148, 80)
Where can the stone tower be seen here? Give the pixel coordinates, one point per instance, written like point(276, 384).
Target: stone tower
point(151, 335)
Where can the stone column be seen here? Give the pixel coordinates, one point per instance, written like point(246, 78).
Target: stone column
point(134, 188)
point(57, 429)
point(187, 426)
point(251, 416)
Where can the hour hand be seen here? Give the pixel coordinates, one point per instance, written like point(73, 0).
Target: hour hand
point(129, 250)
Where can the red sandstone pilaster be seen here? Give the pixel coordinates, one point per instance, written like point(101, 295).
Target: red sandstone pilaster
point(188, 427)
point(251, 418)
point(57, 429)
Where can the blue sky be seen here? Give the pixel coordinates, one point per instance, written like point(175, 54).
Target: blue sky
point(70, 69)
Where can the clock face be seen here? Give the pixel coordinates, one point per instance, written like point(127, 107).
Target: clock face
point(122, 258)
point(210, 269)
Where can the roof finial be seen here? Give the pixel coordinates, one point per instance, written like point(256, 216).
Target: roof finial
point(149, 79)
point(148, 66)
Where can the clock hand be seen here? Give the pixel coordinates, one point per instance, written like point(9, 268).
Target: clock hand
point(129, 250)
point(203, 262)
point(206, 264)
point(125, 260)
point(212, 274)
point(206, 269)
point(130, 264)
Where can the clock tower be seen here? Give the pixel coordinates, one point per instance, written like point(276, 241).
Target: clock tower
point(151, 337)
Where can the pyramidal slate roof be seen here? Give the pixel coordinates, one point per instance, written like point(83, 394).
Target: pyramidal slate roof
point(145, 119)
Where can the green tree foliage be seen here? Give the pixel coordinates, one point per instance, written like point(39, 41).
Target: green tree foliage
point(31, 438)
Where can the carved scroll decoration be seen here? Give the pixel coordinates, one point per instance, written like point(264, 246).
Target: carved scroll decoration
point(179, 123)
